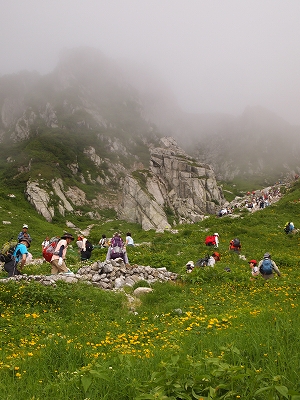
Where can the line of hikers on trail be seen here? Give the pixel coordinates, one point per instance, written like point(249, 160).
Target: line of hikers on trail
point(265, 268)
point(14, 254)
point(255, 200)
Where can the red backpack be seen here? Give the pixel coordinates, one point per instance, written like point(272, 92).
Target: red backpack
point(210, 241)
point(49, 250)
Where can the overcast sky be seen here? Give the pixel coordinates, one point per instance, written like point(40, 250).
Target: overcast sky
point(216, 55)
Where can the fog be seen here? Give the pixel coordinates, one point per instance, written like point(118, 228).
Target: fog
point(216, 55)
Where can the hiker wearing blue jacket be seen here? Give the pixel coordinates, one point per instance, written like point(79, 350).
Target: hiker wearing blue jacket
point(19, 256)
point(267, 267)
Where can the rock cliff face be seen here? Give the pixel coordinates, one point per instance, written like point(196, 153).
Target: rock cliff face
point(174, 189)
point(175, 185)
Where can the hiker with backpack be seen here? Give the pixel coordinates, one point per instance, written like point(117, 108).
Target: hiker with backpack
point(103, 242)
point(117, 249)
point(213, 259)
point(235, 245)
point(19, 256)
point(57, 262)
point(289, 227)
point(212, 240)
point(208, 261)
point(85, 248)
point(267, 267)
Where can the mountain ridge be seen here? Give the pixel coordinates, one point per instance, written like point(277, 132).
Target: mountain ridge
point(87, 125)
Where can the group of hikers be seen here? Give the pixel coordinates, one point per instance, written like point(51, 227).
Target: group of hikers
point(54, 250)
point(255, 200)
point(16, 255)
point(265, 268)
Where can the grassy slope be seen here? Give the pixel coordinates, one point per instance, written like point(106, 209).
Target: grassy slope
point(233, 336)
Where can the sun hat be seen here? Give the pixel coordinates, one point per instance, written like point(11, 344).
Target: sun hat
point(216, 234)
point(267, 255)
point(25, 226)
point(67, 236)
point(190, 263)
point(253, 262)
point(25, 240)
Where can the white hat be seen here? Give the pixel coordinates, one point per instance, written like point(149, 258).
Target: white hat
point(190, 264)
point(25, 226)
point(216, 234)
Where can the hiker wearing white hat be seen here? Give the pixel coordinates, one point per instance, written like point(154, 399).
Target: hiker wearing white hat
point(24, 233)
point(216, 235)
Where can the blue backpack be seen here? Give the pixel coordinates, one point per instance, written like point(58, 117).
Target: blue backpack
point(266, 267)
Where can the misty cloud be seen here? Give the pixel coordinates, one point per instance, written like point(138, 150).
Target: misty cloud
point(217, 56)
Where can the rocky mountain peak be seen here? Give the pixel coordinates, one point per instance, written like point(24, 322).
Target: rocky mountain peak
point(175, 188)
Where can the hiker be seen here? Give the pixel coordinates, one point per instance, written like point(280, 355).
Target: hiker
point(189, 266)
point(289, 227)
point(208, 260)
point(212, 240)
point(254, 268)
point(267, 267)
point(235, 245)
point(19, 256)
point(213, 259)
point(222, 212)
point(85, 248)
point(45, 242)
point(216, 236)
point(24, 233)
point(116, 249)
point(103, 242)
point(129, 241)
point(58, 259)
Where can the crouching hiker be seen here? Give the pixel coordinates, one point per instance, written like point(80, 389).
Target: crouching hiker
point(254, 269)
point(57, 262)
point(267, 267)
point(207, 261)
point(117, 249)
point(189, 266)
point(19, 256)
point(213, 259)
point(235, 245)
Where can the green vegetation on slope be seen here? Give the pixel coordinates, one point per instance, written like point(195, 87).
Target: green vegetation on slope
point(211, 335)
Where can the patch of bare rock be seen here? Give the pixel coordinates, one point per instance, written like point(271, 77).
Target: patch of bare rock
point(108, 275)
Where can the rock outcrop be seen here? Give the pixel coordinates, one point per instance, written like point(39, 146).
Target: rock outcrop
point(39, 198)
point(175, 185)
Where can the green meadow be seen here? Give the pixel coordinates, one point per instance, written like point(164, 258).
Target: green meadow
point(212, 334)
